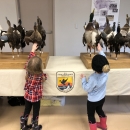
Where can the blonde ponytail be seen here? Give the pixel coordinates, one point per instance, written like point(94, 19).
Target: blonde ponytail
point(106, 68)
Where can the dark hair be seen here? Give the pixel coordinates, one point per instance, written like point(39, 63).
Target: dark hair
point(100, 64)
point(35, 65)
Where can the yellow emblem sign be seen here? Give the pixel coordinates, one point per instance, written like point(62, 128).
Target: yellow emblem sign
point(65, 81)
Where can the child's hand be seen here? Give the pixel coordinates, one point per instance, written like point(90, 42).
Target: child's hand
point(34, 47)
point(45, 76)
point(81, 76)
point(99, 48)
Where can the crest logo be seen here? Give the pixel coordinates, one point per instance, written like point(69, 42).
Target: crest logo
point(65, 81)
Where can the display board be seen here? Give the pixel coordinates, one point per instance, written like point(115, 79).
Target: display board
point(103, 8)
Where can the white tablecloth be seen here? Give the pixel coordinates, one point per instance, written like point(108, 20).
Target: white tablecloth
point(12, 80)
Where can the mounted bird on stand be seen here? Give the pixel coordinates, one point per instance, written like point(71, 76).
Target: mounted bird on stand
point(89, 37)
point(17, 39)
point(14, 37)
point(22, 32)
point(119, 41)
point(125, 29)
point(108, 34)
point(35, 37)
point(42, 31)
point(9, 35)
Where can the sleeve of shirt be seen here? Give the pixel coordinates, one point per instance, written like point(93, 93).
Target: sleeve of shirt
point(88, 85)
point(102, 53)
point(31, 54)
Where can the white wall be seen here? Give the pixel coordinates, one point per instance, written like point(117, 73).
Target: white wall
point(8, 9)
point(70, 17)
point(124, 9)
point(68, 13)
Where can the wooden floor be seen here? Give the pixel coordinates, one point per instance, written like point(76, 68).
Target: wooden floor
point(72, 116)
point(122, 61)
point(18, 62)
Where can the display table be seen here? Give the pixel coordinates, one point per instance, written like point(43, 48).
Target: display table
point(12, 80)
point(123, 60)
point(7, 62)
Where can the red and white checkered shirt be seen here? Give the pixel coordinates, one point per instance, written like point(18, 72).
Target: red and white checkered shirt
point(34, 85)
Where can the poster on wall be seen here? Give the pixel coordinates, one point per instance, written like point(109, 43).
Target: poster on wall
point(103, 8)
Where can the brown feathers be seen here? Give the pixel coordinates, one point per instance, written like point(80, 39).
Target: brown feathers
point(90, 27)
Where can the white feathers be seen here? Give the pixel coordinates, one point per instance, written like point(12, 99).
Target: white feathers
point(4, 33)
point(123, 33)
point(110, 34)
point(94, 34)
point(88, 37)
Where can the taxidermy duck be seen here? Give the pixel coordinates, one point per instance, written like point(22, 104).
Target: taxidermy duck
point(107, 29)
point(35, 37)
point(42, 31)
point(17, 38)
point(111, 39)
point(119, 41)
point(10, 36)
point(109, 33)
point(22, 32)
point(90, 34)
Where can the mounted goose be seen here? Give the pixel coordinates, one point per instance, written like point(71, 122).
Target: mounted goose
point(42, 31)
point(17, 38)
point(90, 34)
point(107, 29)
point(22, 32)
point(35, 37)
point(10, 36)
point(119, 41)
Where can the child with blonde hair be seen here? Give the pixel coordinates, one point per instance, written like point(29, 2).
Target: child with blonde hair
point(33, 89)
